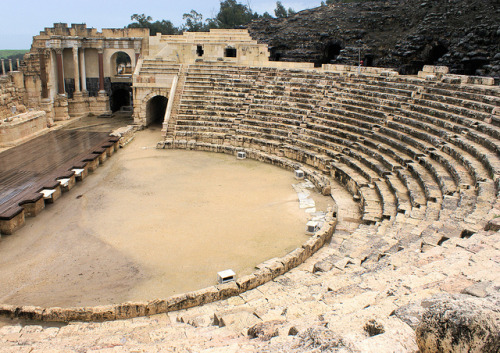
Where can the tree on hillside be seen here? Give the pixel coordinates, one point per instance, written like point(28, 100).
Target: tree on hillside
point(281, 12)
point(143, 21)
point(233, 14)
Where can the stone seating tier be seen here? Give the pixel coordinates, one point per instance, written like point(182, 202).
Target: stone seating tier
point(263, 119)
point(443, 178)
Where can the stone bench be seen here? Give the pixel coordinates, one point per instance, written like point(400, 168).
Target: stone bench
point(466, 94)
point(400, 193)
point(390, 205)
point(376, 88)
point(359, 187)
point(415, 191)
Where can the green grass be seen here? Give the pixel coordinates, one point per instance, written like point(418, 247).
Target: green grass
point(5, 53)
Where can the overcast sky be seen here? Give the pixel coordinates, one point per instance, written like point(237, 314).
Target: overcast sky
point(23, 19)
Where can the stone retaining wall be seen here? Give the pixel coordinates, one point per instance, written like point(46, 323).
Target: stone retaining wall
point(266, 272)
point(20, 126)
point(11, 95)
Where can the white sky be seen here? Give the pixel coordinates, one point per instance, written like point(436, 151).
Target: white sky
point(23, 19)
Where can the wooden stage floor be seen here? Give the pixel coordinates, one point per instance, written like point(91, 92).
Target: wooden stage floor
point(29, 167)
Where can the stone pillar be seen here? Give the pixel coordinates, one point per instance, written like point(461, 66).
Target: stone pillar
point(3, 67)
point(18, 65)
point(10, 65)
point(43, 75)
point(60, 74)
point(76, 70)
point(82, 71)
point(101, 70)
point(101, 106)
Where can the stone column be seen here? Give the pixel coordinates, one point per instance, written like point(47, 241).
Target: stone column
point(76, 70)
point(43, 75)
point(60, 74)
point(82, 70)
point(10, 65)
point(3, 67)
point(101, 70)
point(18, 65)
point(101, 106)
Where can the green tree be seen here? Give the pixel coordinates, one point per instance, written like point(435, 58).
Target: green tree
point(194, 22)
point(143, 21)
point(282, 12)
point(232, 14)
point(266, 15)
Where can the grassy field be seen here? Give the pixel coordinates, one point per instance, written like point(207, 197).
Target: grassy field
point(5, 53)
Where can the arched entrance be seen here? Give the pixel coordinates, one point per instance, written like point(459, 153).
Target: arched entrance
point(119, 97)
point(121, 64)
point(155, 110)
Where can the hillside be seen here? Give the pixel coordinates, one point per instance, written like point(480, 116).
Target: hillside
point(6, 53)
point(406, 34)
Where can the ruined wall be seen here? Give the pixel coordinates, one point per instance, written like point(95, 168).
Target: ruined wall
point(192, 47)
point(12, 95)
point(31, 71)
point(19, 102)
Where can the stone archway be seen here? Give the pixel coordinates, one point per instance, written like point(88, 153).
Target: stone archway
point(120, 64)
point(155, 110)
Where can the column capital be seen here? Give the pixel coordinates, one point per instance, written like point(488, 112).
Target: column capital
point(58, 50)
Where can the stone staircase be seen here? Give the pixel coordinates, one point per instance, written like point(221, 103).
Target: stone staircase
point(170, 128)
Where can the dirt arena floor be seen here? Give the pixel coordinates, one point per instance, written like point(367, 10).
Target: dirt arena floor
point(151, 223)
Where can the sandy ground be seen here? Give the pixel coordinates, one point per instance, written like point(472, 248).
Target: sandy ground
point(150, 223)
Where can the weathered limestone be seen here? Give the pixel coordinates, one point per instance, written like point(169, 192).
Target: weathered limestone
point(17, 128)
point(460, 323)
point(418, 161)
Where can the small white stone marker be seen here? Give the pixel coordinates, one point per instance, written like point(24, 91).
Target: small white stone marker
point(241, 155)
point(225, 276)
point(64, 182)
point(299, 174)
point(47, 193)
point(78, 172)
point(312, 227)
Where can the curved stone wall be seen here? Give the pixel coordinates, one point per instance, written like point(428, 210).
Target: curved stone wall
point(266, 271)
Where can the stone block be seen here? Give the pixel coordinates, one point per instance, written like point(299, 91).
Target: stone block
point(156, 306)
point(34, 313)
point(276, 268)
point(436, 69)
point(247, 282)
point(103, 313)
point(54, 314)
point(77, 314)
point(130, 310)
point(10, 224)
point(203, 296)
point(7, 310)
point(228, 290)
point(177, 302)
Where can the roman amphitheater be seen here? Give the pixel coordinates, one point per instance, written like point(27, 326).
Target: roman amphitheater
point(405, 256)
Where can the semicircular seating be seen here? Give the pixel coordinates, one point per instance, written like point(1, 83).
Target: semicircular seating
point(413, 167)
point(406, 148)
